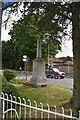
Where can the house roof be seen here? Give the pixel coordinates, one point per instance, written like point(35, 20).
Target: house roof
point(62, 61)
point(57, 60)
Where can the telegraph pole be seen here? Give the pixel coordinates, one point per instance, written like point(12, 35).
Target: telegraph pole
point(0, 35)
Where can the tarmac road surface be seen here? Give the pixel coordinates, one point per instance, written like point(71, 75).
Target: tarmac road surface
point(66, 82)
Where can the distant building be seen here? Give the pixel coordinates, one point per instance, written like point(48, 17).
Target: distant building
point(64, 59)
point(57, 61)
point(69, 63)
point(63, 65)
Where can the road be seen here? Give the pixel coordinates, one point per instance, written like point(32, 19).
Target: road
point(66, 82)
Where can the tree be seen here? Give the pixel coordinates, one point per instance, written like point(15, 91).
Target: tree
point(69, 58)
point(25, 40)
point(8, 55)
point(76, 50)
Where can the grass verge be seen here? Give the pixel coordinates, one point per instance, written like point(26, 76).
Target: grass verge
point(51, 95)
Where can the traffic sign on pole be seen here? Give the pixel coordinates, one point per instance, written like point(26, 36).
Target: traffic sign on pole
point(7, 3)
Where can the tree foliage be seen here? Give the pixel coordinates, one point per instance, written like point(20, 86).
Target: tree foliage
point(24, 41)
point(8, 54)
point(48, 15)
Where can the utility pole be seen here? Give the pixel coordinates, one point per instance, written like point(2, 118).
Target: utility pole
point(0, 35)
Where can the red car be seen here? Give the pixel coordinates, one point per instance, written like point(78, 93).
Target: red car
point(54, 73)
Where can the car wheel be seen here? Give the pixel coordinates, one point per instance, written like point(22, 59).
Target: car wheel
point(51, 76)
point(56, 76)
point(48, 76)
point(61, 77)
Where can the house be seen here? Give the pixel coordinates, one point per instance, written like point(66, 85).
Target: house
point(57, 61)
point(69, 63)
point(63, 65)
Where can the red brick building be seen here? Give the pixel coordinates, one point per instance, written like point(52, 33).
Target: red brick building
point(63, 65)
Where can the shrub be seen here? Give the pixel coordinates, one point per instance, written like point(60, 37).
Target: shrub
point(17, 81)
point(10, 89)
point(3, 81)
point(9, 74)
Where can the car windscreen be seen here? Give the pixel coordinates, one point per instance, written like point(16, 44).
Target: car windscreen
point(55, 69)
point(50, 70)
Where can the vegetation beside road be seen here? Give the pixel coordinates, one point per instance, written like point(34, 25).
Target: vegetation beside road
point(54, 96)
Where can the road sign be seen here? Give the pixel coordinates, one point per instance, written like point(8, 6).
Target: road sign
point(7, 3)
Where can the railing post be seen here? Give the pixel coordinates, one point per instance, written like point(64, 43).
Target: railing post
point(25, 108)
point(30, 107)
point(71, 113)
point(42, 110)
point(55, 111)
point(7, 103)
point(48, 110)
point(3, 104)
point(11, 106)
point(63, 113)
point(20, 107)
point(35, 110)
point(79, 114)
point(15, 105)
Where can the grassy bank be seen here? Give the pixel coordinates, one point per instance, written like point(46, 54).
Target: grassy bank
point(51, 95)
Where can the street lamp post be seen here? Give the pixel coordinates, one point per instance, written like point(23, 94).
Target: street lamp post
point(25, 64)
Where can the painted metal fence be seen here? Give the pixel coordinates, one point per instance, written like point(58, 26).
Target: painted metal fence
point(17, 108)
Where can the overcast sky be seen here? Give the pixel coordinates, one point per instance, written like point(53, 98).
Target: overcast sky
point(66, 51)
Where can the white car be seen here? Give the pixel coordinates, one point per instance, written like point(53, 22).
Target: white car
point(60, 74)
point(54, 73)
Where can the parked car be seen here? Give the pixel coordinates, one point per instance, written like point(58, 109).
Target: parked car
point(54, 73)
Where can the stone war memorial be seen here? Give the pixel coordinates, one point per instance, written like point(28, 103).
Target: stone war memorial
point(38, 75)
